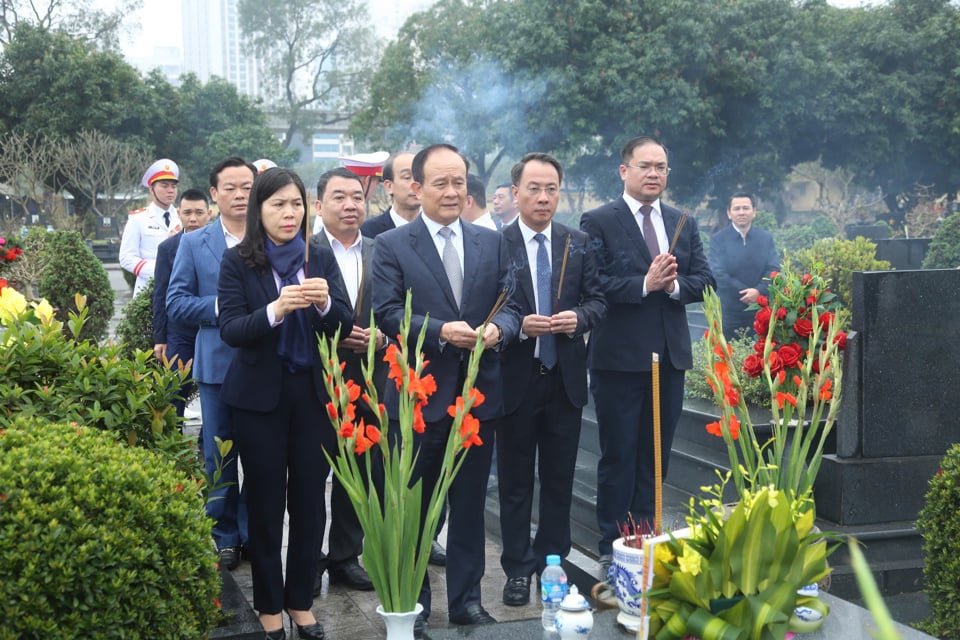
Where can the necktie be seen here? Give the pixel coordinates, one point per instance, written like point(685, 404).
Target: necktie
point(166, 219)
point(548, 344)
point(451, 264)
point(649, 233)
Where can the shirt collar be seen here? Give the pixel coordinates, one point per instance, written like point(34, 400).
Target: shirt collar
point(434, 227)
point(354, 245)
point(529, 233)
point(635, 204)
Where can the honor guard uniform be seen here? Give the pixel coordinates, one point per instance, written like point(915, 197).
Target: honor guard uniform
point(148, 227)
point(263, 164)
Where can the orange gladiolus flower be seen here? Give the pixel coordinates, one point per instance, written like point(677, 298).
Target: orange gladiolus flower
point(478, 397)
point(714, 429)
point(825, 392)
point(470, 431)
point(372, 433)
point(392, 358)
point(332, 412)
point(734, 427)
point(353, 390)
point(418, 423)
point(346, 430)
point(786, 397)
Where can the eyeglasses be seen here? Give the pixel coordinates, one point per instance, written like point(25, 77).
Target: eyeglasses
point(644, 167)
point(536, 191)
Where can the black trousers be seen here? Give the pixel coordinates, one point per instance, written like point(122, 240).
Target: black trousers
point(625, 474)
point(284, 467)
point(466, 536)
point(546, 426)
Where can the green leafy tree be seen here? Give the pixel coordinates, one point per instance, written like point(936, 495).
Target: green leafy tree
point(317, 52)
point(944, 250)
point(75, 17)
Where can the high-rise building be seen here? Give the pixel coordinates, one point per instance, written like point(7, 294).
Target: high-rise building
point(213, 45)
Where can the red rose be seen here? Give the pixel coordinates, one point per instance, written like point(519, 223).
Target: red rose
point(803, 327)
point(790, 354)
point(781, 313)
point(753, 365)
point(776, 364)
point(761, 321)
point(806, 279)
point(841, 340)
point(825, 319)
point(763, 301)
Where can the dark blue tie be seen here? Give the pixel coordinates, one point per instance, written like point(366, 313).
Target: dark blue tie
point(548, 343)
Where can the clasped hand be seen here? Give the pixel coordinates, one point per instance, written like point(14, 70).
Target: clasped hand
point(300, 296)
point(462, 335)
point(564, 322)
point(662, 273)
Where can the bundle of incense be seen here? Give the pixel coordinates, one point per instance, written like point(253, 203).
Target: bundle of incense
point(498, 305)
point(306, 251)
point(676, 234)
point(657, 462)
point(563, 272)
point(363, 281)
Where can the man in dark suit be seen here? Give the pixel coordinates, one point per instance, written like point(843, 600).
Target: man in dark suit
point(340, 206)
point(171, 339)
point(545, 370)
point(397, 180)
point(192, 300)
point(456, 272)
point(741, 256)
point(646, 287)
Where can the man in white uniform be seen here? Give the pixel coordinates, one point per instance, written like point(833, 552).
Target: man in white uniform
point(146, 228)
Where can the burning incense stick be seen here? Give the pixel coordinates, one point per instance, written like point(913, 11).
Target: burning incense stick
point(676, 234)
point(306, 250)
point(498, 305)
point(363, 281)
point(563, 272)
point(657, 463)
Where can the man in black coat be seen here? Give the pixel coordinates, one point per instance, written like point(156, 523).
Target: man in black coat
point(545, 373)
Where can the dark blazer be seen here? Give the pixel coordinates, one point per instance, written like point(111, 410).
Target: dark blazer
point(407, 258)
point(740, 264)
point(580, 293)
point(354, 370)
point(253, 379)
point(162, 325)
point(636, 327)
point(372, 227)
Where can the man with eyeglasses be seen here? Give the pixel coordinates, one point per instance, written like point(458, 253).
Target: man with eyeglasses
point(647, 283)
point(544, 372)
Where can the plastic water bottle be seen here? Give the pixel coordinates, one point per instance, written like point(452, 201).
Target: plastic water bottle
point(553, 588)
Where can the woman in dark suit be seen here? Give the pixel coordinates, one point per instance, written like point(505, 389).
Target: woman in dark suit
point(271, 311)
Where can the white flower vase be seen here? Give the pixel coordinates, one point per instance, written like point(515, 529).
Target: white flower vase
point(627, 579)
point(400, 625)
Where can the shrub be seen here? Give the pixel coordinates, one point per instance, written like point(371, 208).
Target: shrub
point(939, 524)
point(100, 540)
point(789, 239)
point(71, 268)
point(135, 329)
point(48, 375)
point(836, 260)
point(944, 250)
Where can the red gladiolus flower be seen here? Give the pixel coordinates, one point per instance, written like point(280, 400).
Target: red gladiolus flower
point(763, 301)
point(803, 327)
point(797, 381)
point(753, 365)
point(786, 397)
point(714, 429)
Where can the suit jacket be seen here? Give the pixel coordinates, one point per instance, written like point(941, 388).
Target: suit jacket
point(192, 299)
point(407, 258)
point(166, 252)
point(253, 380)
point(372, 227)
point(580, 293)
point(636, 327)
point(741, 264)
point(355, 361)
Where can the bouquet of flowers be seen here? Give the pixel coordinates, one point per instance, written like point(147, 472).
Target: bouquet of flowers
point(395, 553)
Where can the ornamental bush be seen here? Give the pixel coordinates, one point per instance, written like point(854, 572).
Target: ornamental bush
point(836, 260)
point(100, 540)
point(939, 524)
point(135, 329)
point(755, 390)
point(71, 268)
point(944, 250)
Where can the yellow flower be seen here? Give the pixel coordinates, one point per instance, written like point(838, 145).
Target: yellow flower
point(662, 556)
point(690, 561)
point(12, 304)
point(44, 312)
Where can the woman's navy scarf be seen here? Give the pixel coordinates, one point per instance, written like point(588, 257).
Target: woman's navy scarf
point(296, 348)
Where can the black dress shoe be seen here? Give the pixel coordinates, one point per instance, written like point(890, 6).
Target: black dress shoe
point(474, 614)
point(278, 634)
point(516, 593)
point(351, 574)
point(419, 626)
point(438, 555)
point(309, 631)
point(229, 557)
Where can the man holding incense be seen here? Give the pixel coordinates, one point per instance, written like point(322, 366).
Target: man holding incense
point(457, 273)
point(651, 265)
point(545, 371)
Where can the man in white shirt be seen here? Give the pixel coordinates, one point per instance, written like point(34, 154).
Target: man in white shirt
point(475, 210)
point(148, 227)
